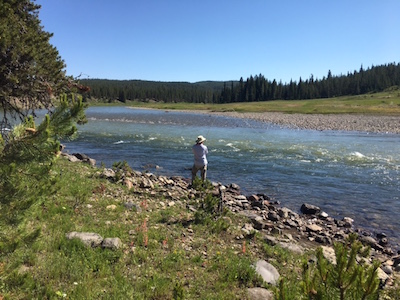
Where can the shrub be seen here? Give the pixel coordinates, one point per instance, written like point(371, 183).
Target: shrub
point(347, 279)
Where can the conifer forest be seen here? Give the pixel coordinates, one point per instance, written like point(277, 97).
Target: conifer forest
point(254, 88)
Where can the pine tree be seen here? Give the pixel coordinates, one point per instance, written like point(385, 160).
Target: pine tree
point(31, 70)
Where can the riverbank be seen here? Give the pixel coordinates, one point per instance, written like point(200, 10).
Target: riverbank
point(251, 216)
point(337, 122)
point(340, 122)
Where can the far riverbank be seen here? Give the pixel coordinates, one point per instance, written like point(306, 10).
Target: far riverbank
point(339, 122)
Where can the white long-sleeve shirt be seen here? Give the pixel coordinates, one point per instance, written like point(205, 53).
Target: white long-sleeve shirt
point(200, 152)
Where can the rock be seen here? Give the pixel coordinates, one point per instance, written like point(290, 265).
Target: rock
point(381, 235)
point(84, 158)
point(111, 243)
point(370, 241)
point(292, 247)
point(146, 183)
point(108, 173)
point(388, 251)
point(284, 212)
point(309, 209)
point(258, 222)
point(73, 158)
point(323, 215)
point(258, 293)
point(267, 271)
point(241, 198)
point(396, 260)
point(348, 222)
point(90, 239)
point(111, 207)
point(382, 275)
point(387, 269)
point(329, 254)
point(383, 241)
point(134, 206)
point(128, 183)
point(273, 216)
point(191, 208)
point(253, 198)
point(313, 228)
point(248, 229)
point(259, 204)
point(276, 230)
point(234, 189)
point(323, 239)
point(270, 240)
point(290, 223)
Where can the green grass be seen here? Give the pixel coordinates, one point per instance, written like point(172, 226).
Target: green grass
point(384, 103)
point(160, 258)
point(166, 253)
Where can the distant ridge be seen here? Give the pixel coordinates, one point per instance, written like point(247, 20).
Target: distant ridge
point(254, 88)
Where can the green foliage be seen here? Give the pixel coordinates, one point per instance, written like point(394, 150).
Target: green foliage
point(210, 208)
point(165, 255)
point(170, 92)
point(178, 292)
point(121, 168)
point(202, 186)
point(253, 89)
point(30, 152)
point(348, 278)
point(31, 70)
point(237, 268)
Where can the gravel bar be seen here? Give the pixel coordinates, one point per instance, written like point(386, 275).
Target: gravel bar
point(340, 122)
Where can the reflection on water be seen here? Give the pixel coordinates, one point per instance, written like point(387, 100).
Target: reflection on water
point(345, 173)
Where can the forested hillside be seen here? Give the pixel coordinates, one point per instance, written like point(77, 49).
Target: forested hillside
point(254, 88)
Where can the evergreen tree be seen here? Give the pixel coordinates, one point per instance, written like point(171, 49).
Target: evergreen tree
point(31, 70)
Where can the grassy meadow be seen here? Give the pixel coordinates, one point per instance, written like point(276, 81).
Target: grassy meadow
point(385, 103)
point(168, 251)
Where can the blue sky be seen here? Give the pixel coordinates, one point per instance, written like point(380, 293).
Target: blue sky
point(191, 40)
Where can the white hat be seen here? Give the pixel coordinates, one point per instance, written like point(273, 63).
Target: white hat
point(200, 139)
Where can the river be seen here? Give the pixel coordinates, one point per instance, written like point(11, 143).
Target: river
point(353, 174)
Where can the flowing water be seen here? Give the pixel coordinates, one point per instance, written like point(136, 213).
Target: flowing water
point(345, 173)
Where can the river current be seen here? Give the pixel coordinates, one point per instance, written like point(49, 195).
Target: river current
point(353, 174)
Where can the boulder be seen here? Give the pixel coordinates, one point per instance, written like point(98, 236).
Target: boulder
point(234, 189)
point(84, 158)
point(73, 158)
point(309, 209)
point(295, 248)
point(89, 239)
point(348, 222)
point(273, 216)
point(111, 243)
point(270, 240)
point(313, 228)
point(370, 241)
point(329, 254)
point(248, 229)
point(267, 271)
point(258, 293)
point(108, 173)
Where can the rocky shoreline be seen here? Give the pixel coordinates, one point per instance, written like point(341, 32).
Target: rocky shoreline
point(339, 122)
point(297, 231)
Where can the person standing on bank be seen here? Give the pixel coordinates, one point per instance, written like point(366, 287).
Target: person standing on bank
point(200, 152)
